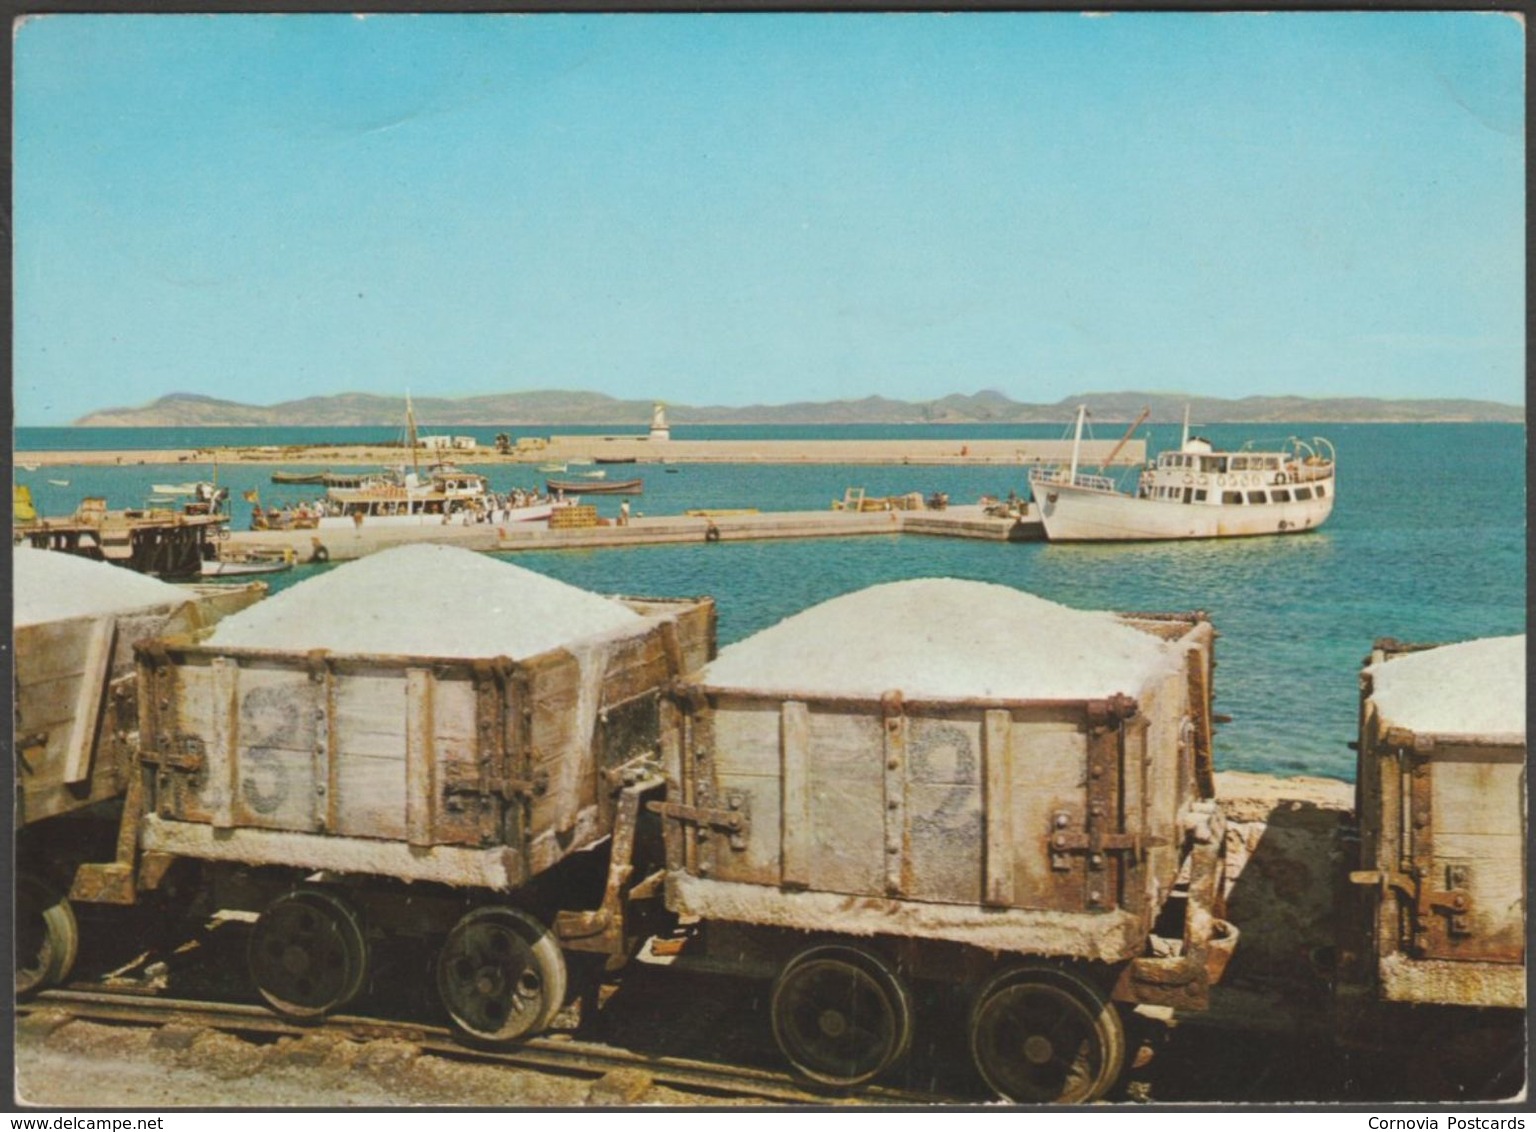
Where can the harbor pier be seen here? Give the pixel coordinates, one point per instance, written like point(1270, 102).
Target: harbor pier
point(566, 449)
point(969, 521)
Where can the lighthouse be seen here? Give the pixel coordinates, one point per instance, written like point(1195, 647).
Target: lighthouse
point(659, 429)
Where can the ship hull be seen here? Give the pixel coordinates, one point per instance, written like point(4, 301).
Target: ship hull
point(1077, 514)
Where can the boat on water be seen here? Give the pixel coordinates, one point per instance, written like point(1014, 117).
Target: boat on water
point(445, 494)
point(551, 467)
point(298, 477)
point(1194, 492)
point(596, 487)
point(59, 483)
point(174, 488)
point(616, 459)
point(600, 474)
point(254, 561)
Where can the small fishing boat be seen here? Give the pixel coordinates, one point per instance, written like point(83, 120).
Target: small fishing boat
point(59, 483)
point(172, 488)
point(614, 487)
point(1191, 493)
point(551, 467)
point(615, 459)
point(271, 562)
point(29, 467)
point(597, 475)
point(298, 477)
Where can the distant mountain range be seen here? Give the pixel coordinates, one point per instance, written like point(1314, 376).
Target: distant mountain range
point(553, 407)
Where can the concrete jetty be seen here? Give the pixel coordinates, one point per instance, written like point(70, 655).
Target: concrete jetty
point(970, 521)
point(635, 449)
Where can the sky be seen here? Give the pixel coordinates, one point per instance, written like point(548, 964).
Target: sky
point(764, 208)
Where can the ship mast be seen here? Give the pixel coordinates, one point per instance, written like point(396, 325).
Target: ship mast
point(1077, 442)
point(410, 430)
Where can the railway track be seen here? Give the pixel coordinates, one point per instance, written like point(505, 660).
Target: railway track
point(559, 1055)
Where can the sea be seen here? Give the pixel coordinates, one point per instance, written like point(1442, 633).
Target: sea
point(1427, 543)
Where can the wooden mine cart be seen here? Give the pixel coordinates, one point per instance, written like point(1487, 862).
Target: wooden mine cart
point(76, 713)
point(1030, 850)
point(347, 795)
point(1440, 917)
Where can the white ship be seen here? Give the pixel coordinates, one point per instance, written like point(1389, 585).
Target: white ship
point(1194, 492)
point(445, 495)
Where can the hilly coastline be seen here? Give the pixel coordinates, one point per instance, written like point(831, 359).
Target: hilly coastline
point(555, 407)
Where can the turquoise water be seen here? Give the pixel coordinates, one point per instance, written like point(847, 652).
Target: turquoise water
point(1426, 543)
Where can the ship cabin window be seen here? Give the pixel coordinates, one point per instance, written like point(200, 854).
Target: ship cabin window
point(1322, 491)
point(1303, 493)
point(1213, 464)
point(1200, 495)
point(1272, 463)
point(1188, 494)
point(1239, 463)
point(1255, 497)
point(1231, 497)
point(1280, 495)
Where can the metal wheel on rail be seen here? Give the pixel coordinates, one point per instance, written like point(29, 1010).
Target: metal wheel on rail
point(841, 1015)
point(47, 937)
point(1041, 1035)
point(501, 974)
point(308, 955)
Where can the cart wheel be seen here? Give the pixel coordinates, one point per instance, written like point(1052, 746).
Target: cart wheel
point(308, 955)
point(501, 974)
point(841, 1016)
point(1041, 1035)
point(47, 936)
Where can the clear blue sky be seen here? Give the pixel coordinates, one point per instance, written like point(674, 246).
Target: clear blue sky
point(732, 209)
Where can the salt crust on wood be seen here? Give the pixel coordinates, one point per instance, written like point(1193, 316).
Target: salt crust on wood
point(1103, 936)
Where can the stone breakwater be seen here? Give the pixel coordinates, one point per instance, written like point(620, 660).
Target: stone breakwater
point(625, 449)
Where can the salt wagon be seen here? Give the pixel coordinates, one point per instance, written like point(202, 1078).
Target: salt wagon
point(349, 767)
point(1440, 802)
point(954, 781)
point(76, 622)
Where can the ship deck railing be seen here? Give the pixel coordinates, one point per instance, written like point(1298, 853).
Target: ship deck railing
point(1049, 477)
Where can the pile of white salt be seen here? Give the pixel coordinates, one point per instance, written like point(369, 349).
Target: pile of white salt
point(50, 585)
point(1472, 688)
point(944, 638)
point(425, 600)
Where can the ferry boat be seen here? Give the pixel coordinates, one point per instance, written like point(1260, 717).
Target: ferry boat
point(445, 495)
point(1194, 492)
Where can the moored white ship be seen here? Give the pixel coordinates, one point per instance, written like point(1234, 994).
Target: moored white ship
point(1194, 492)
point(445, 495)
